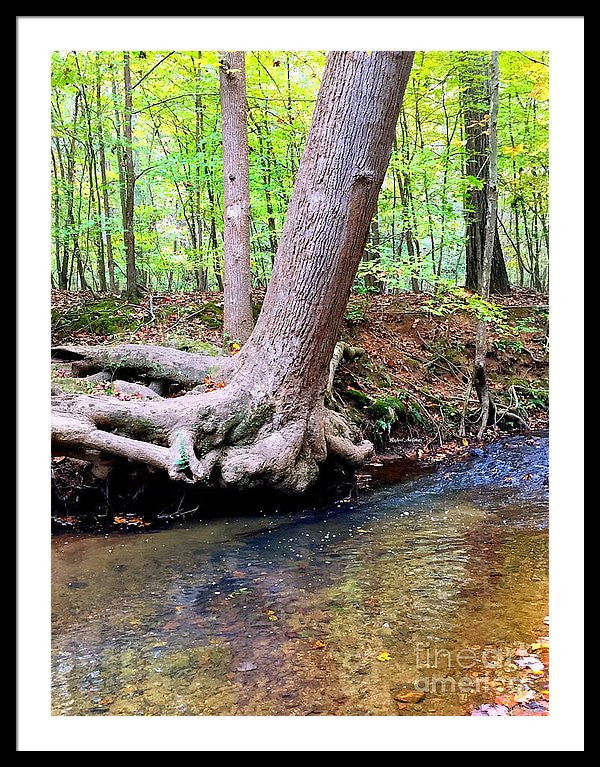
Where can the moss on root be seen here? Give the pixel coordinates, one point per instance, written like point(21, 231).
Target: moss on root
point(358, 398)
point(186, 344)
point(74, 385)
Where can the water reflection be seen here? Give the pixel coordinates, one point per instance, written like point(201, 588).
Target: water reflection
point(289, 614)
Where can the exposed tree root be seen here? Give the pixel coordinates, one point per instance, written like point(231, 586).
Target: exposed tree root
point(153, 363)
point(341, 352)
point(240, 436)
point(268, 425)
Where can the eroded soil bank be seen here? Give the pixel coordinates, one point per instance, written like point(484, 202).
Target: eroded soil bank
point(406, 393)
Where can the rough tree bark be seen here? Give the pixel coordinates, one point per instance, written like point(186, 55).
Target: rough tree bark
point(237, 304)
point(268, 425)
point(476, 98)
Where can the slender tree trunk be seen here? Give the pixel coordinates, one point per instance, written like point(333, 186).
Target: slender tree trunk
point(201, 270)
point(408, 232)
point(83, 285)
point(238, 321)
point(419, 129)
point(412, 244)
point(119, 148)
point(267, 426)
point(74, 227)
point(107, 234)
point(514, 202)
point(475, 97)
point(129, 173)
point(56, 212)
point(94, 187)
point(481, 338)
point(63, 277)
point(265, 152)
point(214, 244)
point(212, 229)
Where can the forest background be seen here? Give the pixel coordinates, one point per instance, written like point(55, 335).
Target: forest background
point(417, 238)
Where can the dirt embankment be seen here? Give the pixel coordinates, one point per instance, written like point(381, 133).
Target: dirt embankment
point(406, 393)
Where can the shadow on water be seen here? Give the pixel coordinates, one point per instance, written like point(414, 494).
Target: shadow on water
point(327, 610)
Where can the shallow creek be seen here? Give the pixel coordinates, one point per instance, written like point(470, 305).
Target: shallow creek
point(329, 610)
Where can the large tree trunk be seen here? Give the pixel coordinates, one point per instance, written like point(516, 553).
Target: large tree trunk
point(267, 425)
point(237, 304)
point(476, 98)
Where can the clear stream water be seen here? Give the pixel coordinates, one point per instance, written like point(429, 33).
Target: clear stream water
point(290, 613)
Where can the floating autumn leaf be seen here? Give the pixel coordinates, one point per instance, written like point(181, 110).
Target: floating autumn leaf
point(130, 521)
point(524, 696)
point(409, 696)
point(383, 656)
point(487, 709)
point(509, 701)
point(531, 662)
point(526, 711)
point(539, 646)
point(246, 666)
